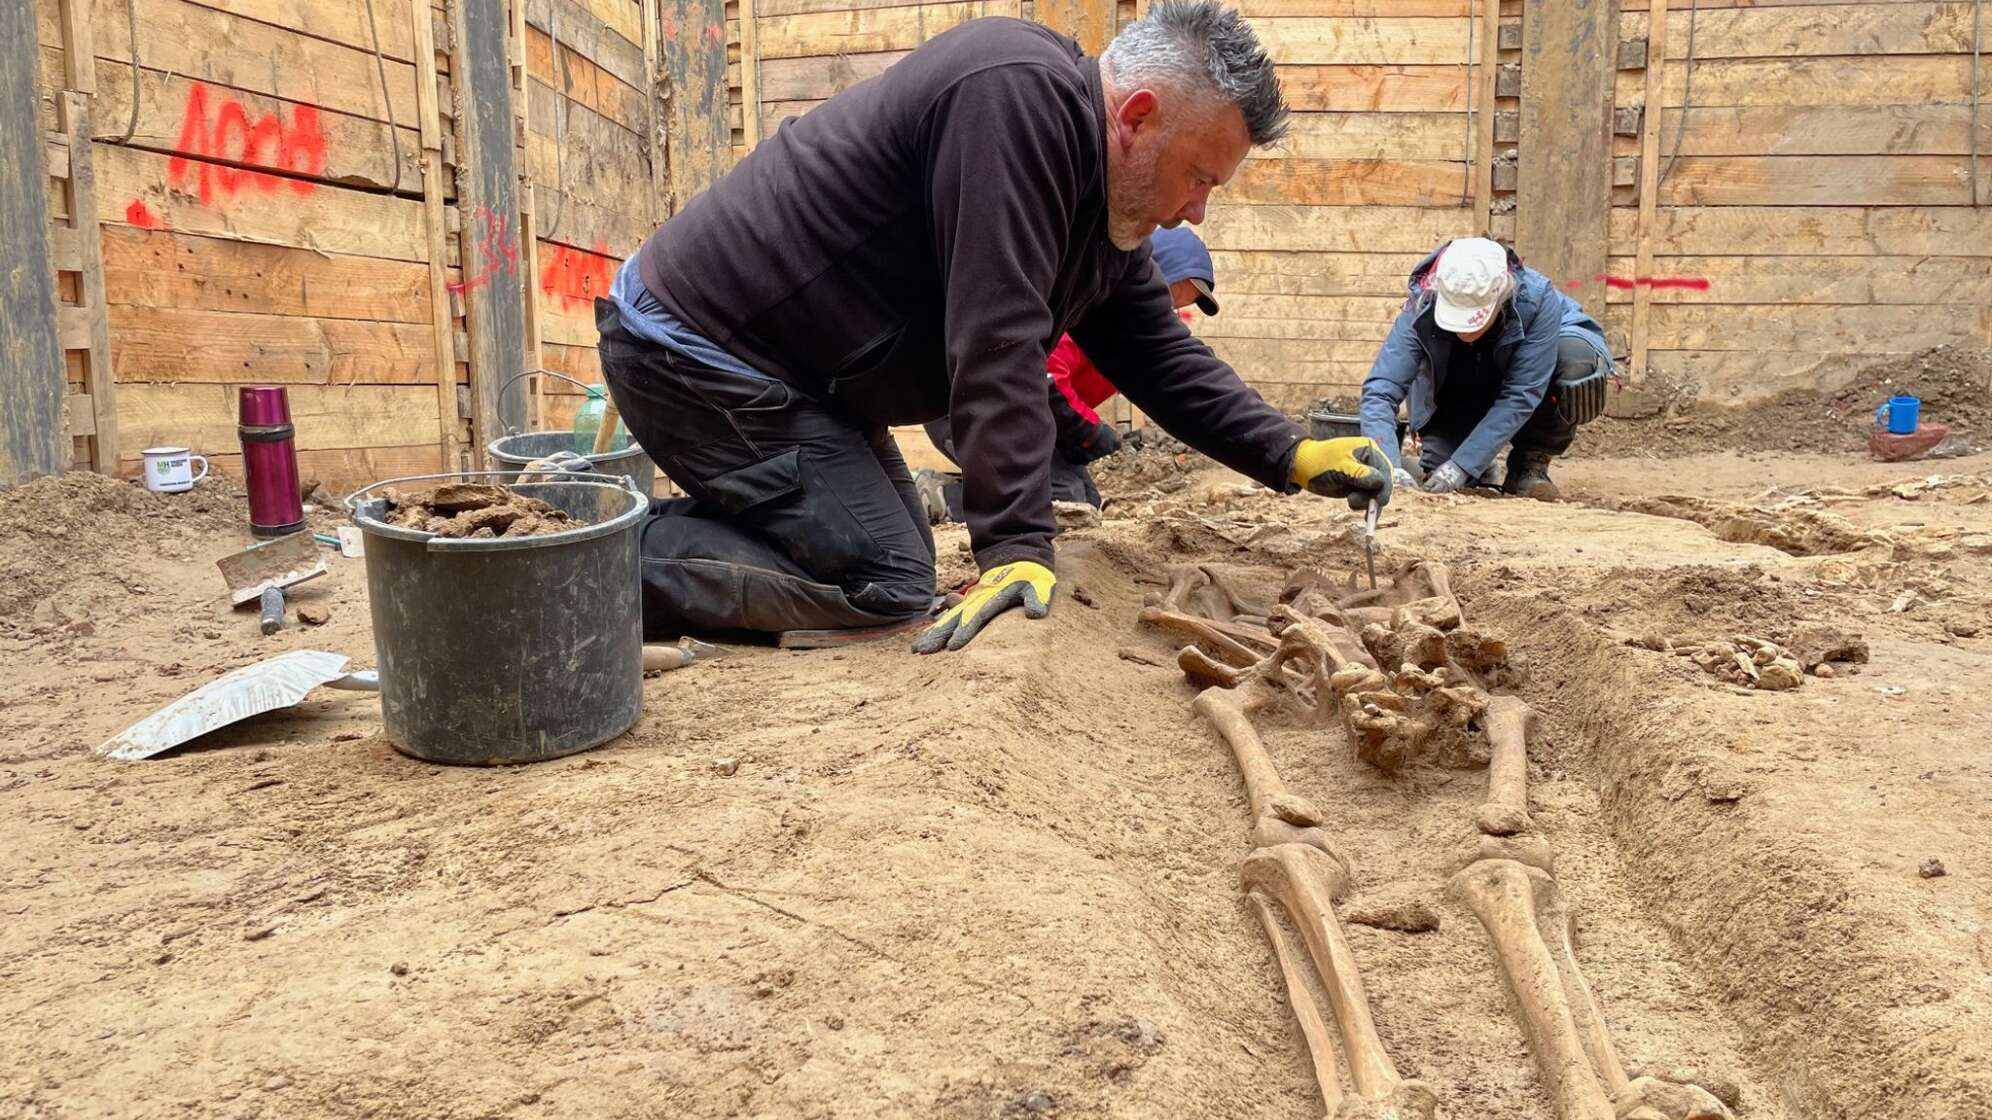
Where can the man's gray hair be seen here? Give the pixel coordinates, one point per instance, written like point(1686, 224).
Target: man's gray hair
point(1202, 49)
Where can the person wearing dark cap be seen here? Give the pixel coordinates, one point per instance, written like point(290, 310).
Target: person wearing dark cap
point(1078, 389)
point(913, 248)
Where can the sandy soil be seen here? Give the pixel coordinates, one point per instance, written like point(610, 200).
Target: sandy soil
point(1003, 882)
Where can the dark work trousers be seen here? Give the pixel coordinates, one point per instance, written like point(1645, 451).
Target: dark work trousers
point(1070, 482)
point(1470, 389)
point(800, 517)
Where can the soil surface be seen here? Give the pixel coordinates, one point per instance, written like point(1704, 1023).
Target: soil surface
point(1953, 383)
point(1003, 882)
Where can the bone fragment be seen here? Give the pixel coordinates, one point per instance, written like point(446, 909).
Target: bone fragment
point(1507, 897)
point(1509, 722)
point(1300, 997)
point(1234, 643)
point(1305, 882)
point(1523, 848)
point(1207, 672)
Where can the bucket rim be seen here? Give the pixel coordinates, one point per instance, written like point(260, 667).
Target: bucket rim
point(358, 507)
point(513, 458)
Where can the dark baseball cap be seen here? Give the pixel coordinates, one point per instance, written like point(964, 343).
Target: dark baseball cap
point(1181, 255)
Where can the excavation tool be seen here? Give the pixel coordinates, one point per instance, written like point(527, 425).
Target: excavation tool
point(1369, 540)
point(276, 682)
point(261, 573)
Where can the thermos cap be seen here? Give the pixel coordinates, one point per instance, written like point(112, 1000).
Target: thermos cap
point(263, 406)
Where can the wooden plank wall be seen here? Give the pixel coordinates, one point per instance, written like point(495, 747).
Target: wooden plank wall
point(1815, 171)
point(592, 157)
point(1313, 241)
point(257, 228)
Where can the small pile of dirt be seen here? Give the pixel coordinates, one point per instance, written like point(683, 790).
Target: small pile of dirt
point(476, 511)
point(1951, 381)
point(64, 530)
point(1149, 460)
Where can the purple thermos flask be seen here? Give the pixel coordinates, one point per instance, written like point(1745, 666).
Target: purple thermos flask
point(269, 461)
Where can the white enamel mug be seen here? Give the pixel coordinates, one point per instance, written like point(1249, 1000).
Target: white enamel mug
point(170, 470)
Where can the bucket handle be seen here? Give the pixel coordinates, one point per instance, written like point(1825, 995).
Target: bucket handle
point(515, 378)
point(621, 482)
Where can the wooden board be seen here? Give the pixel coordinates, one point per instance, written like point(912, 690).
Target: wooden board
point(1311, 274)
point(145, 189)
point(861, 30)
point(32, 436)
point(584, 81)
point(488, 196)
point(583, 363)
point(342, 21)
point(1350, 182)
point(1261, 356)
point(1372, 135)
point(1335, 331)
point(1742, 376)
point(181, 37)
point(179, 115)
point(1407, 89)
point(343, 470)
point(144, 268)
point(1877, 80)
point(816, 78)
point(699, 141)
point(172, 344)
point(1272, 307)
point(1813, 230)
point(1817, 181)
point(1788, 31)
point(1350, 42)
point(588, 158)
point(1091, 22)
point(1851, 281)
point(1352, 9)
point(1564, 200)
point(326, 416)
point(1824, 130)
point(1826, 330)
point(1369, 229)
point(581, 30)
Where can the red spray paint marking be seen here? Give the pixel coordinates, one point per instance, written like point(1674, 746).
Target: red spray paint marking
point(497, 251)
point(141, 215)
point(297, 148)
point(577, 276)
point(1691, 283)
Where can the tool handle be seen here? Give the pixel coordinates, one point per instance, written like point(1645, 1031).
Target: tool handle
point(606, 434)
point(272, 604)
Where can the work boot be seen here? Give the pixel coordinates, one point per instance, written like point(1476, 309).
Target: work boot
point(1528, 476)
point(932, 487)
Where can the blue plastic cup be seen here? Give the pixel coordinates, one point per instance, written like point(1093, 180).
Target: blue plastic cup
point(1903, 412)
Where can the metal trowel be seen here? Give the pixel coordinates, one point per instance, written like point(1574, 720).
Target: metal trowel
point(260, 573)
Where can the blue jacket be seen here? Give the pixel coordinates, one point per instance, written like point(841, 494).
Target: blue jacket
point(1413, 362)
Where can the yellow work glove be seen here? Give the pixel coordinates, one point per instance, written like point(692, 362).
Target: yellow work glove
point(1353, 467)
point(997, 591)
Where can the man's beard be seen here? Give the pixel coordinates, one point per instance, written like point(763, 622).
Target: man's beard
point(1131, 201)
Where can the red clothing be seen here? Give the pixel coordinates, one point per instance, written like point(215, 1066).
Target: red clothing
point(1079, 379)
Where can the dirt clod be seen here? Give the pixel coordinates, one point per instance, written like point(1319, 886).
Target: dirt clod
point(314, 615)
point(1932, 868)
point(476, 510)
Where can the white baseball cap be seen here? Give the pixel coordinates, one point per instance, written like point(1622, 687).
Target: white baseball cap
point(1470, 282)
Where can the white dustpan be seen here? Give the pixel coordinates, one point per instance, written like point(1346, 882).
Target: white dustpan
point(251, 690)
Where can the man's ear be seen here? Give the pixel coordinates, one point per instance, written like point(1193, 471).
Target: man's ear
point(1137, 109)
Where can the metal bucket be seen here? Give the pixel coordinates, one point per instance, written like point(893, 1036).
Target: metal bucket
point(508, 650)
point(516, 451)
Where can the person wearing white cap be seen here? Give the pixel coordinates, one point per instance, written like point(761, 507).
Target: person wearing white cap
point(1488, 353)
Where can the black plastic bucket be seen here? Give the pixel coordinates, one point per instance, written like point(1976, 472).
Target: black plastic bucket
point(516, 451)
point(508, 650)
point(1323, 424)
